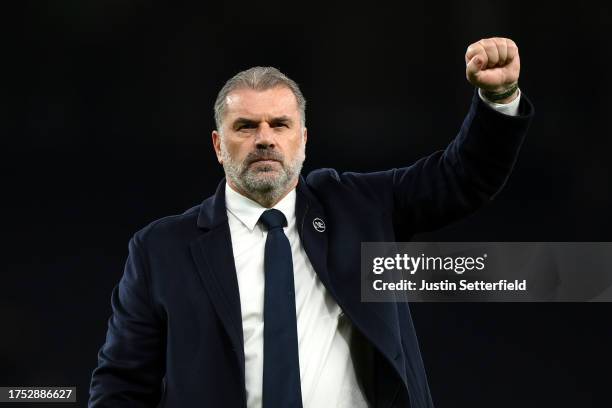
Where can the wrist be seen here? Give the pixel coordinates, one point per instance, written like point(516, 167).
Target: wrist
point(503, 96)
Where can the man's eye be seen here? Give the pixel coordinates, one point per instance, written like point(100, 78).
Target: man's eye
point(246, 126)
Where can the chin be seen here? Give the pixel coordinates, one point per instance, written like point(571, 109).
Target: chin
point(265, 180)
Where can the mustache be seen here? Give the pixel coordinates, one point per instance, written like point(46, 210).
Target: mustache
point(263, 155)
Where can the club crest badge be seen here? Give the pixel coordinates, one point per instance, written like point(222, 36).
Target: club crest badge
point(318, 225)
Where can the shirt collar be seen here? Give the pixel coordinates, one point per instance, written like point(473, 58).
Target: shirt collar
point(249, 211)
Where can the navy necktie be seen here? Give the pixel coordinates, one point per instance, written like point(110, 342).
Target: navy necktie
point(281, 372)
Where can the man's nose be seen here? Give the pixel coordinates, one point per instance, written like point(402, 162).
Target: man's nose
point(264, 137)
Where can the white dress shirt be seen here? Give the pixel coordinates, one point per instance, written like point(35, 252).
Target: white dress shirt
point(505, 108)
point(327, 374)
point(326, 368)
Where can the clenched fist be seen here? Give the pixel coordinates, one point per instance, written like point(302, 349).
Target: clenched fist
point(493, 65)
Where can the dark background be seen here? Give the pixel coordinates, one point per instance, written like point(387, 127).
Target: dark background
point(106, 116)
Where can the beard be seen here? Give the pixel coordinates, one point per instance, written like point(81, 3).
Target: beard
point(264, 183)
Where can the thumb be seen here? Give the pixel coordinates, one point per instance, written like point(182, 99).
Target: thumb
point(474, 67)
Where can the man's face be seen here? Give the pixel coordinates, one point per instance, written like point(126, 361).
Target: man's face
point(261, 144)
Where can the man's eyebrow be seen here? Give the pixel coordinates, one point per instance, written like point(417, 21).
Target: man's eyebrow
point(246, 121)
point(283, 118)
point(243, 121)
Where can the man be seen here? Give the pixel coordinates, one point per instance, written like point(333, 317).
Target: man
point(253, 297)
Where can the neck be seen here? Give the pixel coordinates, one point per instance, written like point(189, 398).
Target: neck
point(267, 199)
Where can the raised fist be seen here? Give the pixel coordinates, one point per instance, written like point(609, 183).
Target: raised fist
point(493, 65)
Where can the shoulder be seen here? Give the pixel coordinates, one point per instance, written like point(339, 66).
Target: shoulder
point(327, 183)
point(169, 230)
point(321, 178)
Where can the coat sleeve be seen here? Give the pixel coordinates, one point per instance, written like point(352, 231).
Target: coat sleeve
point(451, 183)
point(131, 361)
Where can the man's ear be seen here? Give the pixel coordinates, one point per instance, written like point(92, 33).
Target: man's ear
point(305, 135)
point(216, 141)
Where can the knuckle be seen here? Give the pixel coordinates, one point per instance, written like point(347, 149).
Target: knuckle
point(489, 47)
point(481, 48)
point(473, 48)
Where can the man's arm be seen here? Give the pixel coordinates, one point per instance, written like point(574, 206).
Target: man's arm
point(131, 361)
point(470, 172)
point(477, 163)
point(454, 182)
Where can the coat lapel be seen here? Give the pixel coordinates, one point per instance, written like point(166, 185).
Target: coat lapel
point(308, 211)
point(374, 320)
point(214, 259)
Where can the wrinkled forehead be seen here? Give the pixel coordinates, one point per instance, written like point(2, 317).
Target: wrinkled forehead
point(259, 105)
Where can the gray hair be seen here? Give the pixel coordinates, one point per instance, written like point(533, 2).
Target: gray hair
point(260, 79)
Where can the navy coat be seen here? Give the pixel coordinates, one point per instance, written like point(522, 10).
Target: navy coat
point(175, 336)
